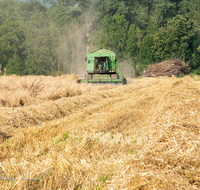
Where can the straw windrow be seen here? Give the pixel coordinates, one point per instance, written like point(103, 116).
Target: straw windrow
point(140, 136)
point(32, 90)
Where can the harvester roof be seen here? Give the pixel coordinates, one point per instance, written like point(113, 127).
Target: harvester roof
point(101, 53)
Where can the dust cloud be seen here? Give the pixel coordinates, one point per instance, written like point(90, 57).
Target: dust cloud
point(73, 49)
point(76, 40)
point(127, 70)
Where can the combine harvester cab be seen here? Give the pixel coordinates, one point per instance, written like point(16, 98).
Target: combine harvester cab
point(102, 68)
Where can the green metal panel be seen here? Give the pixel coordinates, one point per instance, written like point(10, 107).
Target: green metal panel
point(101, 53)
point(90, 63)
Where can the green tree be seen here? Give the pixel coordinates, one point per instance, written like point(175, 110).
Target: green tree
point(175, 41)
point(11, 38)
point(64, 12)
point(145, 52)
point(133, 43)
point(180, 37)
point(194, 15)
point(40, 45)
point(15, 65)
point(113, 33)
point(134, 40)
point(163, 11)
point(160, 49)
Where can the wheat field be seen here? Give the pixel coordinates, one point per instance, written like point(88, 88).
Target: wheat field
point(57, 134)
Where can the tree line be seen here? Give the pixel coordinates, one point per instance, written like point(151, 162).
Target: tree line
point(36, 39)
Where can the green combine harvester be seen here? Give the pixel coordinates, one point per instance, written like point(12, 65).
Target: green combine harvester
point(102, 68)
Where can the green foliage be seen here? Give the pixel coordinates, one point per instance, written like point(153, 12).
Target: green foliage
point(11, 38)
point(113, 33)
point(131, 151)
point(195, 77)
point(40, 45)
point(15, 66)
point(195, 63)
point(105, 178)
point(145, 52)
point(197, 71)
point(164, 10)
point(174, 41)
point(40, 40)
point(180, 36)
point(134, 40)
point(65, 136)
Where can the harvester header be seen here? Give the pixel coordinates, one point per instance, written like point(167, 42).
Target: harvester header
point(102, 67)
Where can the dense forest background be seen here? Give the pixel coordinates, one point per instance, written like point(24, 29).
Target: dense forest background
point(52, 37)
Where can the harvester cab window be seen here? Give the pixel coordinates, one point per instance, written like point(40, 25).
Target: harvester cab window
point(101, 63)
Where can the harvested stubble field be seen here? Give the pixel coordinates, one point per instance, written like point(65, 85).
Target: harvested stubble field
point(140, 136)
point(23, 91)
